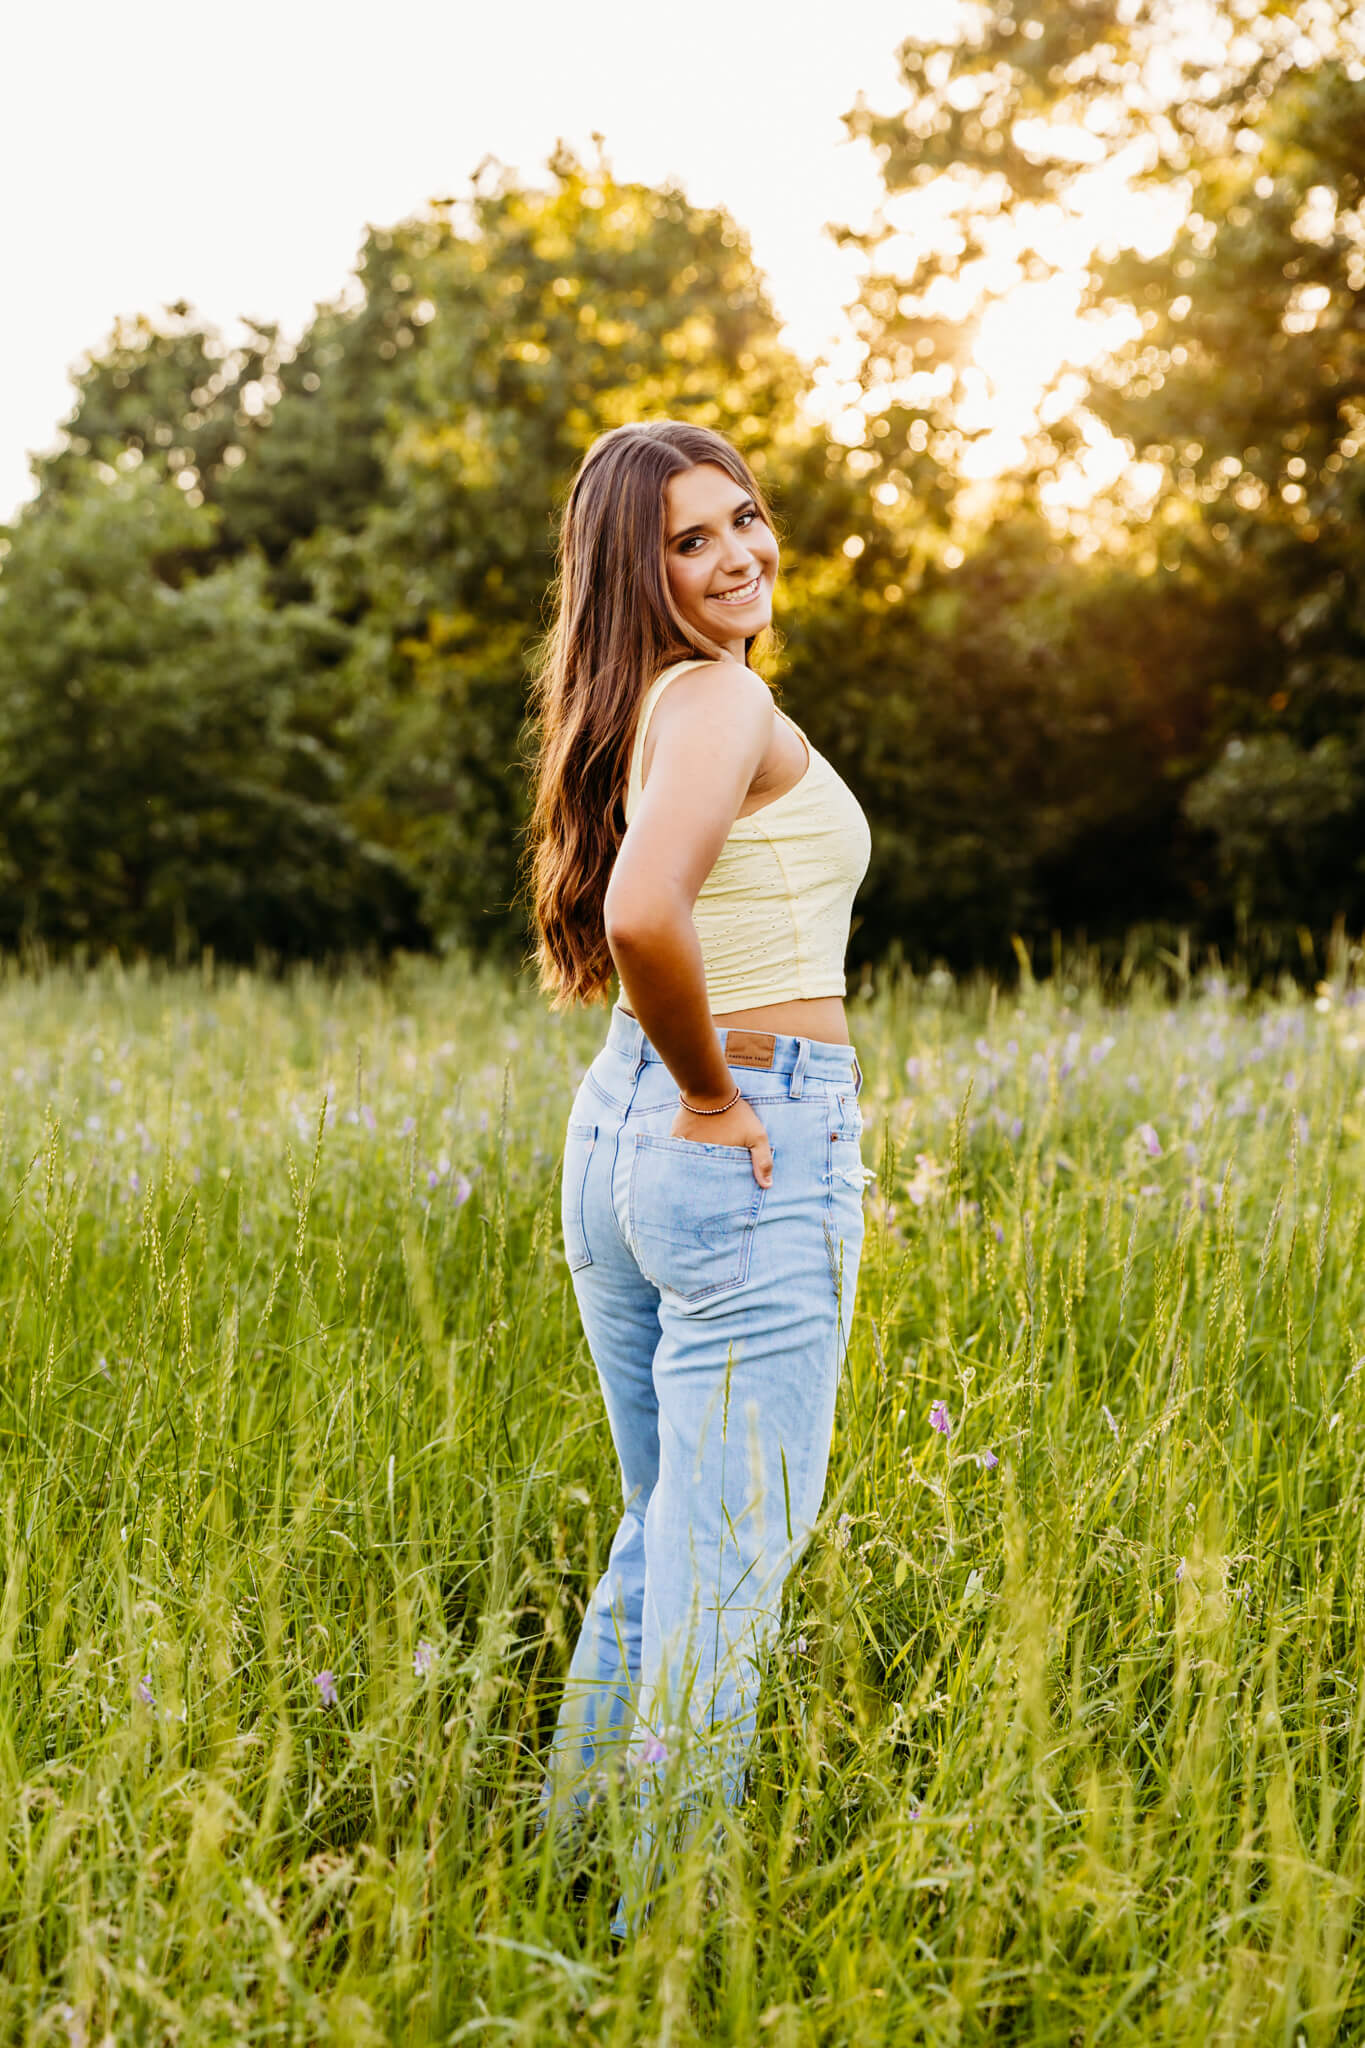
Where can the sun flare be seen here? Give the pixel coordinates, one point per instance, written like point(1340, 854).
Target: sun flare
point(1032, 340)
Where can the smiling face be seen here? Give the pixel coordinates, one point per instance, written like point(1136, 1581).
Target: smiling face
point(721, 556)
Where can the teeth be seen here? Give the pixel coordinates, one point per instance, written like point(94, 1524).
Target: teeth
point(745, 591)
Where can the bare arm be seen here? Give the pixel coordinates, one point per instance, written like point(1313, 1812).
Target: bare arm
point(712, 729)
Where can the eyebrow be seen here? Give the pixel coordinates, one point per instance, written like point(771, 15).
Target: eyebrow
point(700, 526)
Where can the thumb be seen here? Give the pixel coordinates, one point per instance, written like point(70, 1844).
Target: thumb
point(761, 1155)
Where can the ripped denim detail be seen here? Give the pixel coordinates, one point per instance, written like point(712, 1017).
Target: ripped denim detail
point(854, 1175)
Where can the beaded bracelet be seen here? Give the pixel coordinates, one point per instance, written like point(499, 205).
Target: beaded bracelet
point(711, 1112)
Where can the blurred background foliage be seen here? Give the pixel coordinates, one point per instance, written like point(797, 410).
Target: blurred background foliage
point(265, 627)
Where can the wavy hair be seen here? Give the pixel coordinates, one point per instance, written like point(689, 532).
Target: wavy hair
point(615, 628)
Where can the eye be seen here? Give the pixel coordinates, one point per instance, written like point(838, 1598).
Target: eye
point(693, 540)
point(747, 517)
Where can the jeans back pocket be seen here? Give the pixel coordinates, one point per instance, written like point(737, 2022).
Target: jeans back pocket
point(578, 1150)
point(693, 1212)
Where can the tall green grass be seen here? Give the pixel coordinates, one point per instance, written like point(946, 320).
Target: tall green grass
point(1067, 1748)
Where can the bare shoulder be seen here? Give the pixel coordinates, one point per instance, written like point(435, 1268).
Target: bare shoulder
point(716, 690)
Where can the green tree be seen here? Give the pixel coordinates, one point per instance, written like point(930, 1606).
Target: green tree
point(1251, 403)
point(281, 440)
point(554, 314)
point(1235, 596)
point(384, 496)
point(169, 772)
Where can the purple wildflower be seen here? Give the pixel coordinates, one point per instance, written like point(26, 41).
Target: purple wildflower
point(72, 2018)
point(988, 1459)
point(1110, 1420)
point(423, 1657)
point(940, 1419)
point(462, 1190)
point(653, 1751)
point(1151, 1144)
point(327, 1687)
point(145, 1693)
point(1179, 1569)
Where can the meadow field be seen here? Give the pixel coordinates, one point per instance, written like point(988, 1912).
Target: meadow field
point(304, 1478)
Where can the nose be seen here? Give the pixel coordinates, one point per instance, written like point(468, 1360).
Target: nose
point(738, 559)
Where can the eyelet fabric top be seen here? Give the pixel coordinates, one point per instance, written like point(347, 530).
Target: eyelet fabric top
point(773, 915)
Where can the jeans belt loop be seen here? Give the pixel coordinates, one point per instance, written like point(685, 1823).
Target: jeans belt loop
point(799, 1070)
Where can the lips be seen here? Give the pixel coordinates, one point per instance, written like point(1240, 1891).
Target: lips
point(743, 593)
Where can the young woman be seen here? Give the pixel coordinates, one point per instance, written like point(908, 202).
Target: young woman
point(687, 834)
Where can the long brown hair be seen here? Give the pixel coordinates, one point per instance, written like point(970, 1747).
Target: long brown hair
point(615, 628)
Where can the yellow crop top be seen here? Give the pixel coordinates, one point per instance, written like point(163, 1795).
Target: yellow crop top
point(773, 915)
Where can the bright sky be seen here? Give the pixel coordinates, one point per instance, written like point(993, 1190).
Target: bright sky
point(154, 151)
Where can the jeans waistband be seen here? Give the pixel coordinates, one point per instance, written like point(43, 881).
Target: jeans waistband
point(774, 1052)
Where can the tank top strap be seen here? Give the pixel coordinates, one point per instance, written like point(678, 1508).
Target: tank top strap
point(651, 697)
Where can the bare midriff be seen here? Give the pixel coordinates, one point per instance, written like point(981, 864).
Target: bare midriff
point(820, 1017)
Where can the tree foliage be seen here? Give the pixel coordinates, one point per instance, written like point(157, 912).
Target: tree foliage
point(169, 759)
point(265, 629)
point(1215, 643)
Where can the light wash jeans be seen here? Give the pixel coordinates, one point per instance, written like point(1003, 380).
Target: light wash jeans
point(717, 1313)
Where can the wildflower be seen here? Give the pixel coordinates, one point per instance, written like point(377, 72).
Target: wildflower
point(423, 1657)
point(913, 1814)
point(926, 1181)
point(988, 1459)
point(801, 1644)
point(940, 1419)
point(462, 1190)
point(1151, 1144)
point(841, 1532)
point(73, 2019)
point(327, 1687)
point(145, 1693)
point(409, 1125)
point(653, 1751)
point(1179, 1569)
point(367, 1116)
point(999, 1233)
point(1110, 1420)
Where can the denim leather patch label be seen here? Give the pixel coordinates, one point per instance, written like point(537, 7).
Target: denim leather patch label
point(749, 1048)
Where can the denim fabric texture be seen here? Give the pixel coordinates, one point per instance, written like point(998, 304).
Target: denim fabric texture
point(717, 1314)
